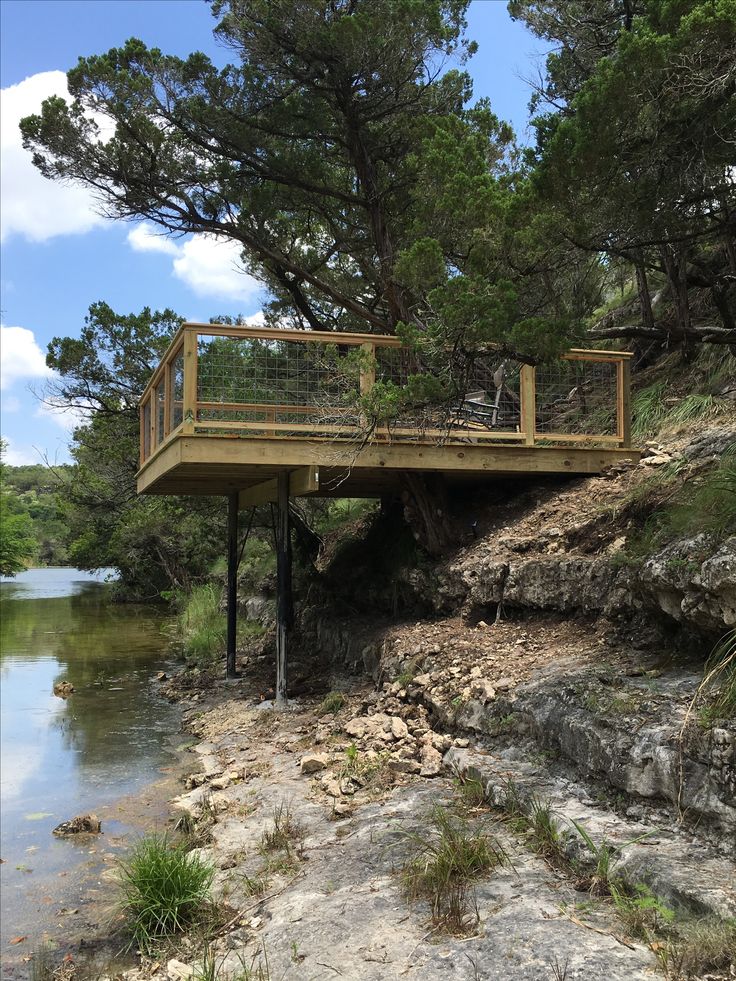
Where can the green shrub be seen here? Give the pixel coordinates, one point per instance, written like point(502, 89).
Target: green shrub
point(202, 624)
point(165, 889)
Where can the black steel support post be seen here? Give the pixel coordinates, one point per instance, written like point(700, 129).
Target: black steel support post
point(232, 582)
point(284, 608)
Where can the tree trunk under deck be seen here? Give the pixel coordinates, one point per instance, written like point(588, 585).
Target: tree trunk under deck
point(284, 602)
point(232, 582)
point(426, 512)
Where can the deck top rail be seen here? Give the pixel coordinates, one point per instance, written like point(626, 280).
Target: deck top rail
point(261, 382)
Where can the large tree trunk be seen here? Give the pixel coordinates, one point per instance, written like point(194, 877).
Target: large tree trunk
point(642, 350)
point(675, 264)
point(426, 512)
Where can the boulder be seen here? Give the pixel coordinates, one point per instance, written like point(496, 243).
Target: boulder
point(430, 759)
point(83, 824)
point(314, 762)
point(178, 970)
point(63, 689)
point(399, 728)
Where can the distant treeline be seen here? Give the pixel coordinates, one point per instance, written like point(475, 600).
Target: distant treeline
point(32, 492)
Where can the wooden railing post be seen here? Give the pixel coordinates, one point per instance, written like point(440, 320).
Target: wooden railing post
point(623, 402)
point(189, 395)
point(368, 375)
point(528, 403)
point(167, 398)
point(142, 433)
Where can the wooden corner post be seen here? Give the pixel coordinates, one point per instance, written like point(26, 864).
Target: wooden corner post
point(623, 386)
point(232, 582)
point(284, 607)
point(528, 403)
point(189, 408)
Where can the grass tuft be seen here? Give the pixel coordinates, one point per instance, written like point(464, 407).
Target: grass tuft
point(444, 860)
point(331, 703)
point(202, 626)
point(286, 834)
point(165, 889)
point(720, 676)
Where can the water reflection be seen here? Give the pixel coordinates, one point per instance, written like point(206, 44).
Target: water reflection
point(59, 758)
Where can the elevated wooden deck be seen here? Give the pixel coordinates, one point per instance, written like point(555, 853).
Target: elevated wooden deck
point(229, 408)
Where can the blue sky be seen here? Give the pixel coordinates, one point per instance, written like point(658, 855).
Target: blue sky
point(59, 256)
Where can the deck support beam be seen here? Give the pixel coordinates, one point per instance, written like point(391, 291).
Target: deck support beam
point(302, 481)
point(284, 601)
point(232, 582)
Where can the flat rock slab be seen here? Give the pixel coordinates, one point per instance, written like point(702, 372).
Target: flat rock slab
point(343, 913)
point(687, 874)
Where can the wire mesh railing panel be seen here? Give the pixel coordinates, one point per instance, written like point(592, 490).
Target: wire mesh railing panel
point(394, 365)
point(272, 372)
point(483, 396)
point(576, 397)
point(282, 386)
point(176, 387)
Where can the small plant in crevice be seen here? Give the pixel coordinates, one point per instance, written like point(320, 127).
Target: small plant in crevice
point(286, 834)
point(257, 969)
point(254, 885)
point(559, 971)
point(599, 881)
point(444, 860)
point(720, 679)
point(643, 913)
point(471, 792)
point(331, 703)
point(164, 890)
point(369, 770)
point(548, 839)
point(514, 808)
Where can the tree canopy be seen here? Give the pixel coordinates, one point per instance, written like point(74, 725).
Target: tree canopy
point(339, 150)
point(635, 151)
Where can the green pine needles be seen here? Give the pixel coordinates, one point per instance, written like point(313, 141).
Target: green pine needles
point(165, 889)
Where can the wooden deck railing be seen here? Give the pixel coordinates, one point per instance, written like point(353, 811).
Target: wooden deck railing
point(263, 382)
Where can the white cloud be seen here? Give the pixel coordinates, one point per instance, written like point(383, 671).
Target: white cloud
point(208, 265)
point(20, 356)
point(63, 415)
point(256, 319)
point(144, 239)
point(19, 456)
point(32, 206)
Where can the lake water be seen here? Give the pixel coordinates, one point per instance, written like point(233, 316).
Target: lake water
point(60, 758)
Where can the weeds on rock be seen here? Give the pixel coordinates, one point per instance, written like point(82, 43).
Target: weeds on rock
point(368, 770)
point(165, 889)
point(445, 859)
point(720, 677)
point(548, 840)
point(286, 835)
point(701, 945)
point(559, 971)
point(255, 885)
point(257, 970)
point(471, 791)
point(331, 703)
point(643, 913)
point(599, 883)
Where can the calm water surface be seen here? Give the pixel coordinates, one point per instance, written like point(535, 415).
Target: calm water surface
point(60, 758)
